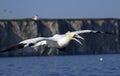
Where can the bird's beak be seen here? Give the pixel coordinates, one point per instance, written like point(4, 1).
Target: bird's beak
point(77, 37)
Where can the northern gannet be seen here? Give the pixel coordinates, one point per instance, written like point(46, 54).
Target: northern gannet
point(57, 41)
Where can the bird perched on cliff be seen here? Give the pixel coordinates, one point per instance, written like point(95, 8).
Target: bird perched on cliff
point(35, 17)
point(57, 41)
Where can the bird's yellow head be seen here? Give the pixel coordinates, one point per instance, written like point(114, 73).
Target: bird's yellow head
point(70, 35)
point(74, 36)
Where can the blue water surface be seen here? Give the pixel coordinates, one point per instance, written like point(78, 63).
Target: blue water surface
point(81, 65)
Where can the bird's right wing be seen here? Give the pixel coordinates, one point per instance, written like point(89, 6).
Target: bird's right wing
point(12, 48)
point(22, 44)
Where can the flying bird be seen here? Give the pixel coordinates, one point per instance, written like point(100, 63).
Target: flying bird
point(58, 41)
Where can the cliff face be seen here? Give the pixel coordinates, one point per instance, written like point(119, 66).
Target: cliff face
point(13, 31)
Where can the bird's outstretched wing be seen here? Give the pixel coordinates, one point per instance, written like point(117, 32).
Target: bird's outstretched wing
point(49, 41)
point(91, 31)
point(12, 48)
point(22, 44)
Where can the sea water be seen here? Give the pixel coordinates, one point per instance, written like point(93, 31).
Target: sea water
point(80, 65)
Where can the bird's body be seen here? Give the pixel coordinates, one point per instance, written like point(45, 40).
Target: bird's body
point(57, 41)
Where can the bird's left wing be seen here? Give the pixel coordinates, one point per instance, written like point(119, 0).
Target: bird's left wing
point(91, 31)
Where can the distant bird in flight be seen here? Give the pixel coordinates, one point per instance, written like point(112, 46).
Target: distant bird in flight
point(58, 41)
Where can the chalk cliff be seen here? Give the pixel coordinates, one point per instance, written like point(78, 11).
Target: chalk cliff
point(15, 30)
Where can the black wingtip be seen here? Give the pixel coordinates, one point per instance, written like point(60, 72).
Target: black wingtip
point(113, 33)
point(15, 47)
point(101, 32)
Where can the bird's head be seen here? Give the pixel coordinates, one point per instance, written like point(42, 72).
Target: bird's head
point(74, 36)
